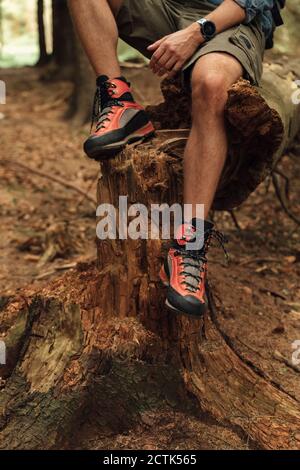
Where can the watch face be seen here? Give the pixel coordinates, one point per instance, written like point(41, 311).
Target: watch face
point(209, 28)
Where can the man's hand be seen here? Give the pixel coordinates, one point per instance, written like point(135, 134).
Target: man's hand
point(171, 52)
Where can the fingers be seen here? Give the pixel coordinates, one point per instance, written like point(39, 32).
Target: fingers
point(163, 61)
point(165, 57)
point(156, 44)
point(159, 58)
point(156, 62)
point(159, 64)
point(170, 63)
point(177, 67)
point(168, 66)
point(171, 68)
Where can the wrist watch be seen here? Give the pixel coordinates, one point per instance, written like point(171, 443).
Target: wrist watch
point(208, 29)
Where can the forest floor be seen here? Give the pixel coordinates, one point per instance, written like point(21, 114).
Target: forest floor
point(47, 228)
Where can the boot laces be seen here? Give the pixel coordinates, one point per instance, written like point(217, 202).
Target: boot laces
point(103, 107)
point(193, 262)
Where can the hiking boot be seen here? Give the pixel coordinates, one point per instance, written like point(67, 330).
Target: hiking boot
point(119, 119)
point(184, 270)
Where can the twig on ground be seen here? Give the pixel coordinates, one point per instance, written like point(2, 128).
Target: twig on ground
point(272, 292)
point(55, 179)
point(287, 182)
point(283, 204)
point(169, 144)
point(172, 131)
point(63, 267)
point(280, 357)
point(258, 260)
point(235, 221)
point(267, 184)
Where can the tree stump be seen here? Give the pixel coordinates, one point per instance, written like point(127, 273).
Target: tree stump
point(97, 347)
point(261, 124)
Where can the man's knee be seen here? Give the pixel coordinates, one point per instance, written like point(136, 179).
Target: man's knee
point(209, 90)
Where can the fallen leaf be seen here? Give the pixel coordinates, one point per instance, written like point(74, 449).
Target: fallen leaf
point(290, 259)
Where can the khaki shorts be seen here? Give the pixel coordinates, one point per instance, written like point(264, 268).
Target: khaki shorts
point(142, 22)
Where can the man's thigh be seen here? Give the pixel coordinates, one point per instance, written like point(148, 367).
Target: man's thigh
point(142, 22)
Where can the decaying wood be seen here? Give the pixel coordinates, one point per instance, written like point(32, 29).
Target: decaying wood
point(70, 364)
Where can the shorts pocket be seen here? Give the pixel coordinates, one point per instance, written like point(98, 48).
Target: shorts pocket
point(251, 46)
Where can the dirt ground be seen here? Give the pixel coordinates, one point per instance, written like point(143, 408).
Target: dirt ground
point(48, 227)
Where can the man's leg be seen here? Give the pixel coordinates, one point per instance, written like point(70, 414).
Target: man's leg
point(184, 271)
point(96, 26)
point(119, 119)
point(206, 149)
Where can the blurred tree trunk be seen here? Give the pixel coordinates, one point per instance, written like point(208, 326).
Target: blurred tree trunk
point(44, 57)
point(84, 81)
point(63, 40)
point(69, 62)
point(63, 34)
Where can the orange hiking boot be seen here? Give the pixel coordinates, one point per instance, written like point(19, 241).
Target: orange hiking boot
point(184, 270)
point(120, 120)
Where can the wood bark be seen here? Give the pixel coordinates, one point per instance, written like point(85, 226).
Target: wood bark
point(44, 57)
point(97, 347)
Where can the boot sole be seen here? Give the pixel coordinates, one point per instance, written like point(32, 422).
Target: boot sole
point(104, 152)
point(176, 310)
point(182, 312)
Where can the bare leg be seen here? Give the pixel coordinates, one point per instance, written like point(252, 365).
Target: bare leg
point(98, 32)
point(206, 150)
